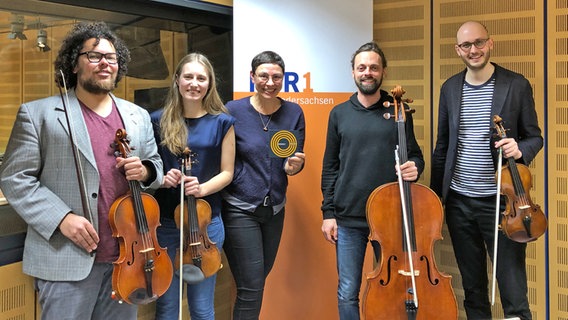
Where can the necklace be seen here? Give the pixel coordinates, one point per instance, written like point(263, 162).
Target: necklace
point(265, 125)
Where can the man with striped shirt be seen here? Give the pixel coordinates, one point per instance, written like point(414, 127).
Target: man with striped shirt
point(464, 164)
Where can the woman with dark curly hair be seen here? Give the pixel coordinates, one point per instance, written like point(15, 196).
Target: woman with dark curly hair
point(69, 251)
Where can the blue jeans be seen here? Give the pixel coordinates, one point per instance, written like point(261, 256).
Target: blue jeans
point(350, 249)
point(471, 223)
point(251, 246)
point(201, 296)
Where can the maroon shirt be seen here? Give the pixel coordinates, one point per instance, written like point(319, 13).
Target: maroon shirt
point(113, 183)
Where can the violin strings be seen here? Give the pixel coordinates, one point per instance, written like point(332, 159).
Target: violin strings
point(517, 183)
point(192, 217)
point(141, 216)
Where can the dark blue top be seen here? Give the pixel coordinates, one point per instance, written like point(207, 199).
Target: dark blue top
point(205, 141)
point(257, 173)
point(359, 157)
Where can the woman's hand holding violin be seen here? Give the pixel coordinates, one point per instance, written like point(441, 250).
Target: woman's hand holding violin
point(193, 187)
point(171, 179)
point(191, 184)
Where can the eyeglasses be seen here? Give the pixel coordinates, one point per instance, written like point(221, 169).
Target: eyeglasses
point(96, 57)
point(264, 77)
point(479, 44)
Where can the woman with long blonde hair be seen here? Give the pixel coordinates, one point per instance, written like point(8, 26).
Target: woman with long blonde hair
point(193, 116)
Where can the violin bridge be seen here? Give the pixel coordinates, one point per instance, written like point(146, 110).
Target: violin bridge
point(408, 274)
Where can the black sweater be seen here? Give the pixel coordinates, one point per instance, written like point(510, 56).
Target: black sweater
point(359, 157)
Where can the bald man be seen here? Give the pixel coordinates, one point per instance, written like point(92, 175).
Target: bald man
point(464, 163)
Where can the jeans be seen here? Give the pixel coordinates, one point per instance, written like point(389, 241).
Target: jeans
point(89, 298)
point(350, 249)
point(251, 246)
point(200, 296)
point(471, 222)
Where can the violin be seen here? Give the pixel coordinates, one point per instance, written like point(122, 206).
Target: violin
point(200, 256)
point(522, 221)
point(405, 219)
point(143, 270)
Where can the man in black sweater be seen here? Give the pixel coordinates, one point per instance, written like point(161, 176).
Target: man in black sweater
point(359, 157)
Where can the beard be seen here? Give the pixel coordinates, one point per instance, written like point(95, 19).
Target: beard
point(97, 87)
point(477, 66)
point(368, 89)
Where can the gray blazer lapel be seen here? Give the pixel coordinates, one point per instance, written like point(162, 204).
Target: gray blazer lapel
point(131, 122)
point(80, 133)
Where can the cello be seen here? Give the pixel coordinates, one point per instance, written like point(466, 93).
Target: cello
point(143, 270)
point(200, 256)
point(405, 219)
point(522, 221)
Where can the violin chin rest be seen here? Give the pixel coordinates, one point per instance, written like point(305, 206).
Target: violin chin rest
point(191, 274)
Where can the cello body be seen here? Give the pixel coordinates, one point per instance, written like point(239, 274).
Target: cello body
point(406, 219)
point(387, 291)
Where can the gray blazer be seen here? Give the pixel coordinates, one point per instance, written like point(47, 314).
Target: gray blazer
point(512, 100)
point(39, 179)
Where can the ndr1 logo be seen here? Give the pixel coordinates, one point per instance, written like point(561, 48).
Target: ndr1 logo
point(291, 83)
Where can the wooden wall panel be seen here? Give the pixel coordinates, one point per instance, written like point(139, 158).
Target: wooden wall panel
point(401, 28)
point(10, 89)
point(27, 74)
point(518, 30)
point(17, 295)
point(558, 158)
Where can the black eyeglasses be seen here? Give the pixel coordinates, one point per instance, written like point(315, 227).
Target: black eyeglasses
point(479, 44)
point(96, 57)
point(264, 77)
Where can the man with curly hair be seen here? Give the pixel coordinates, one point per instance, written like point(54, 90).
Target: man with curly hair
point(69, 249)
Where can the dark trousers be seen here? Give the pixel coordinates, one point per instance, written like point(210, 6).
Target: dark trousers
point(471, 222)
point(251, 244)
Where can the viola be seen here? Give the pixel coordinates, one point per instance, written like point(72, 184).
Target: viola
point(143, 270)
point(405, 219)
point(200, 256)
point(522, 221)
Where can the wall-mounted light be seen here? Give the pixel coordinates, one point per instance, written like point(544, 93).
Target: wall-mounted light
point(42, 41)
point(17, 28)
